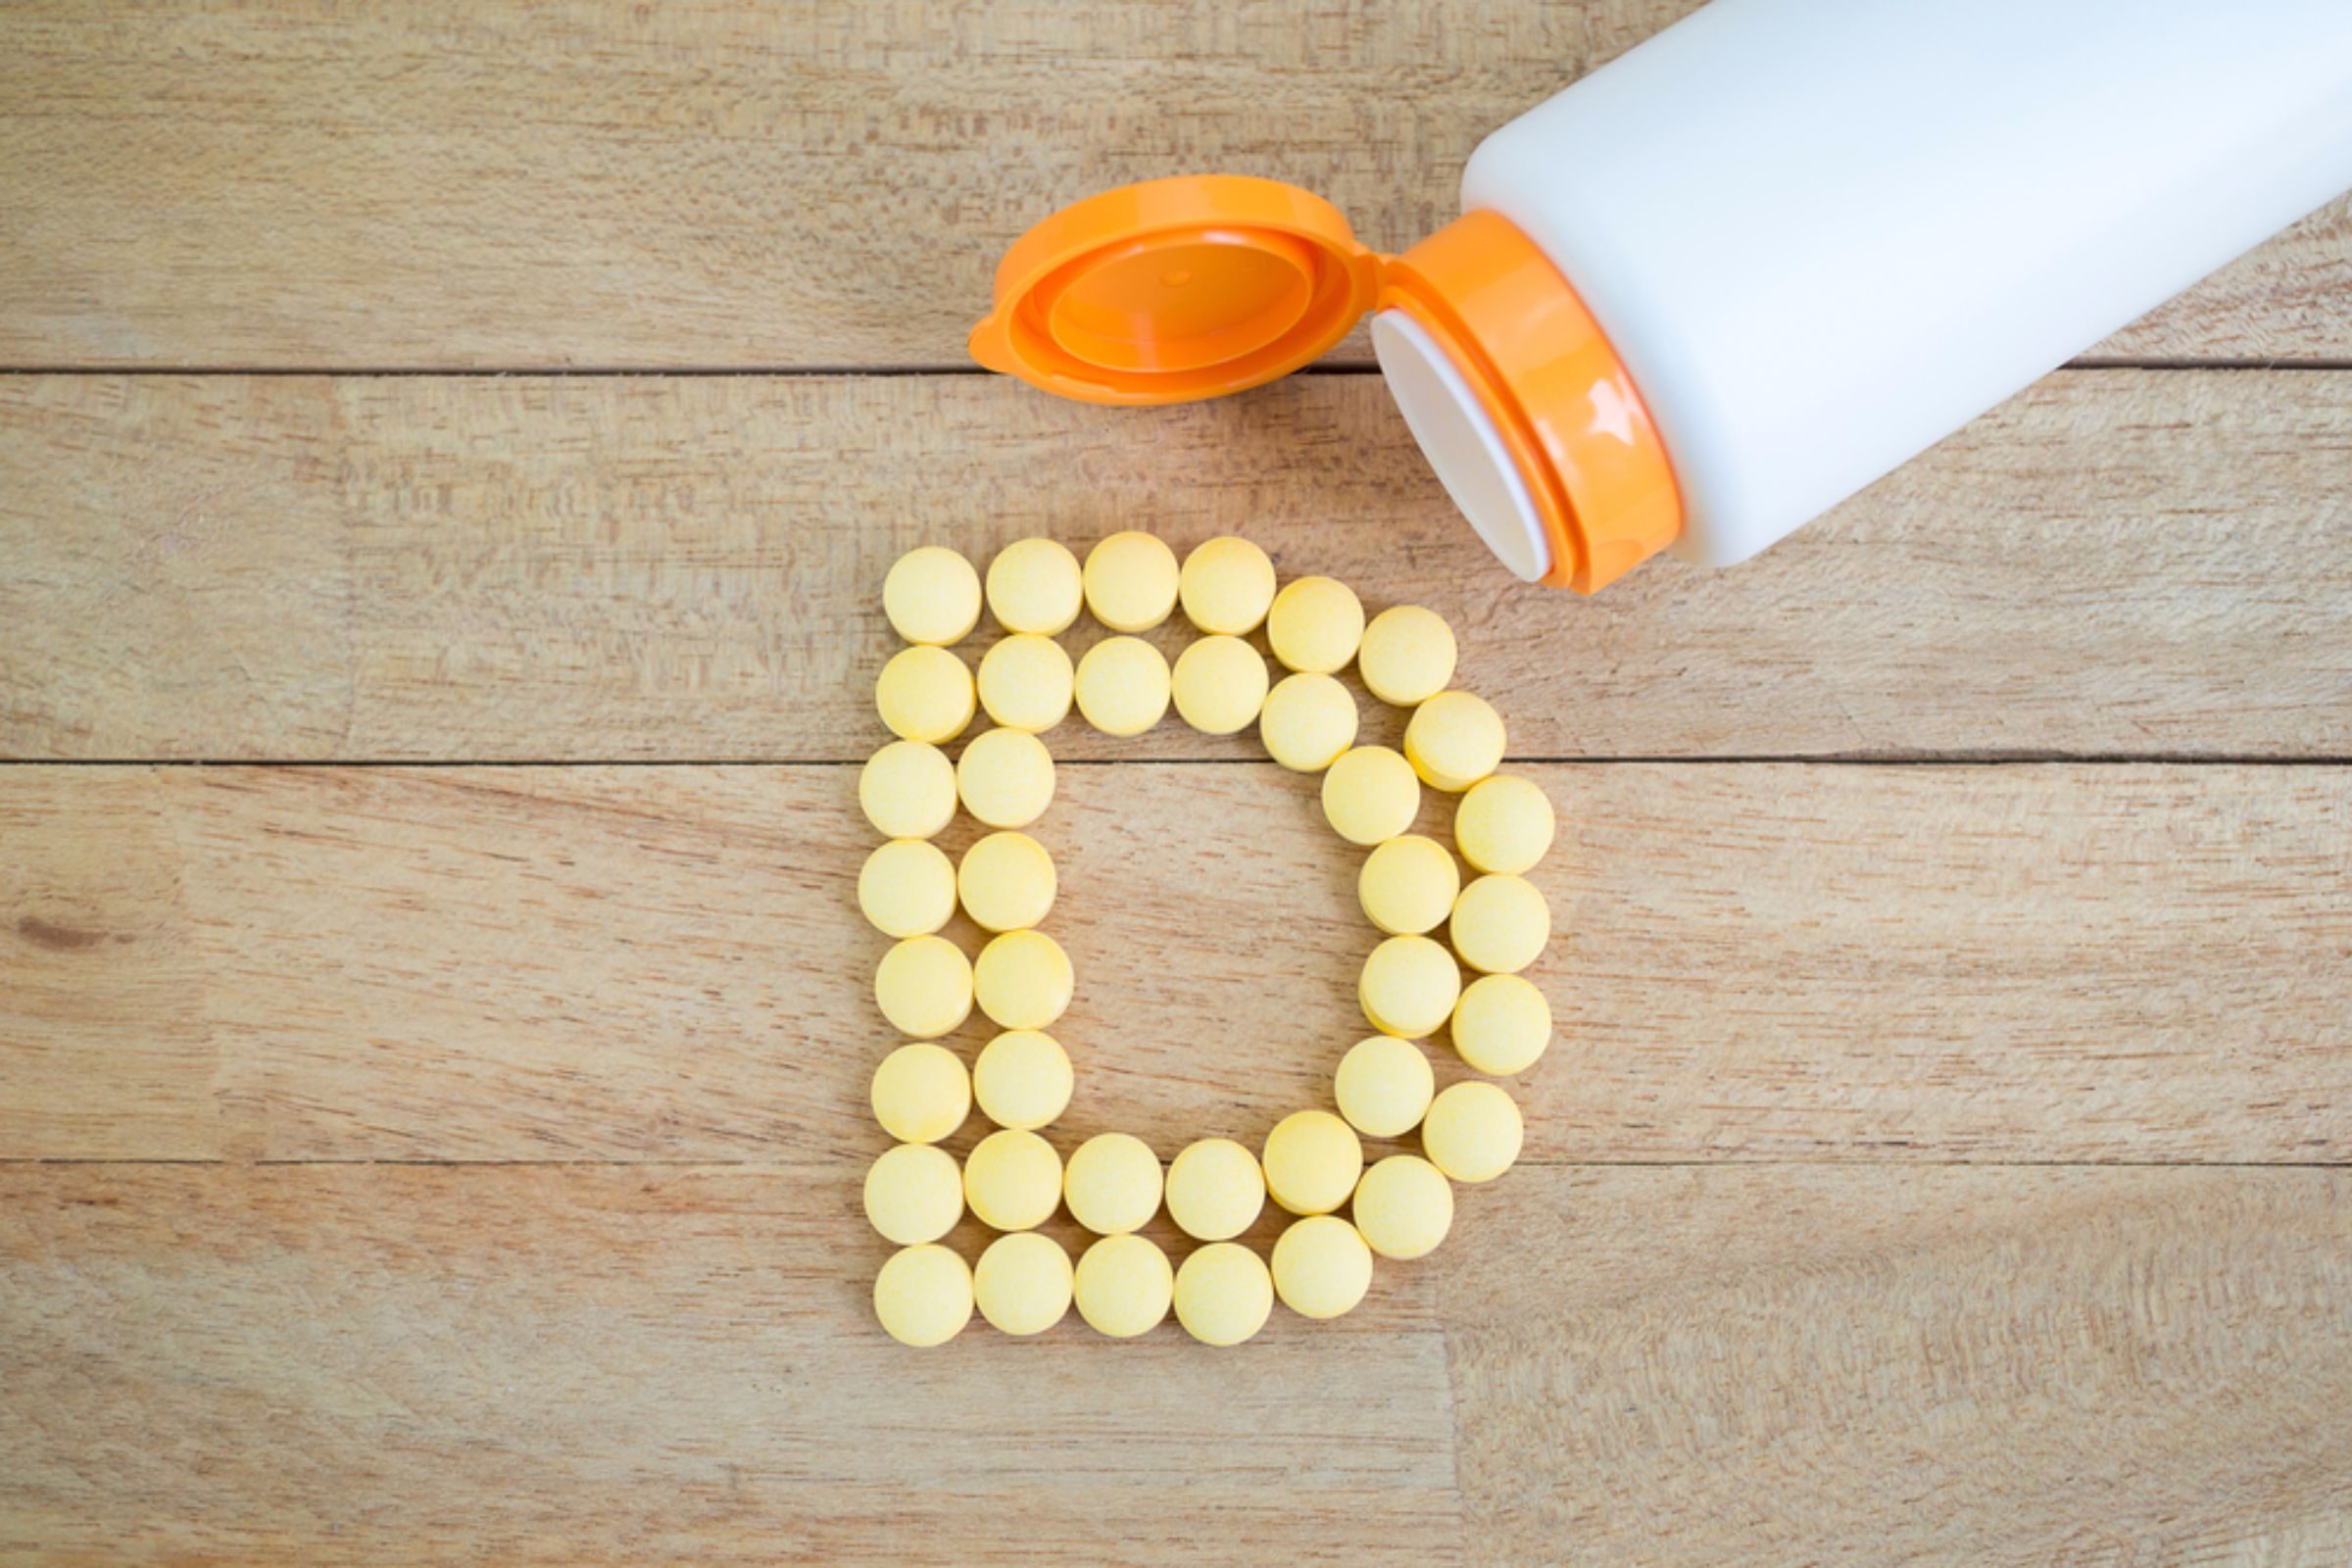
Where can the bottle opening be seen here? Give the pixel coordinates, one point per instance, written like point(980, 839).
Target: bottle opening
point(1461, 444)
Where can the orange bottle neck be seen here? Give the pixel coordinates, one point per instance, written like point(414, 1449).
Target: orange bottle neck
point(1562, 403)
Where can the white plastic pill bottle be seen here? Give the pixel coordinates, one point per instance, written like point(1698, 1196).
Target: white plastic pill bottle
point(1732, 277)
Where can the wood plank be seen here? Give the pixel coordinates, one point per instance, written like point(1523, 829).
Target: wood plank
point(1980, 963)
point(520, 1364)
point(2117, 562)
point(715, 183)
point(1860, 1367)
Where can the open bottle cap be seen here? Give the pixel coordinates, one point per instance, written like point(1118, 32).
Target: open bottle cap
point(1180, 289)
point(1176, 289)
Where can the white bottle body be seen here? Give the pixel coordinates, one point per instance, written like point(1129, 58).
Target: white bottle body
point(1823, 234)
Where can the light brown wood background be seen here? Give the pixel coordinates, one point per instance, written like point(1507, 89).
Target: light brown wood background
point(447, 456)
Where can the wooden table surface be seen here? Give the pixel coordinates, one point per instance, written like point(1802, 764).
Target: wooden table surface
point(448, 457)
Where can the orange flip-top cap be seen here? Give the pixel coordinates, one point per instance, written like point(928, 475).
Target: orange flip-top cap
point(1174, 290)
point(1555, 390)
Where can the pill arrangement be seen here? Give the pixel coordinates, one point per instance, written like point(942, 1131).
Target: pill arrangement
point(1311, 1163)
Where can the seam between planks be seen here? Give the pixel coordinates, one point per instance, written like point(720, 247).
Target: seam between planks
point(2323, 365)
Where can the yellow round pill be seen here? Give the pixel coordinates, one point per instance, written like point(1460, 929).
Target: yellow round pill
point(932, 595)
point(1501, 924)
point(1006, 777)
point(1124, 1285)
point(1311, 1162)
point(1383, 1085)
point(1453, 740)
point(913, 1193)
point(1370, 795)
point(1227, 586)
point(1503, 824)
point(1022, 1079)
point(1502, 1024)
point(1315, 624)
point(1219, 685)
point(1471, 1132)
point(1023, 980)
point(1026, 682)
point(1408, 987)
point(1131, 581)
point(1123, 686)
point(1404, 1207)
point(907, 790)
point(925, 694)
point(1023, 1283)
point(1007, 882)
point(1308, 721)
point(1033, 586)
point(1407, 885)
point(1407, 655)
point(1012, 1180)
point(1111, 1183)
point(924, 987)
point(906, 888)
point(922, 1093)
point(1215, 1190)
point(1224, 1293)
point(1322, 1267)
point(923, 1295)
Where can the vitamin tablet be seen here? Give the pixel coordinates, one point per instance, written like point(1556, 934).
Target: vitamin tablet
point(1012, 1180)
point(1006, 778)
point(1408, 987)
point(1502, 1024)
point(1471, 1132)
point(1453, 740)
point(925, 694)
point(1407, 655)
point(1383, 1085)
point(1370, 795)
point(1022, 1284)
point(1122, 686)
point(1407, 886)
point(1111, 1183)
point(1124, 1285)
point(913, 1193)
point(1215, 1190)
point(1308, 721)
point(924, 987)
point(1503, 824)
point(932, 595)
point(1026, 682)
point(1022, 1080)
point(1220, 685)
point(1404, 1207)
point(1322, 1267)
point(906, 888)
point(1499, 924)
point(1007, 882)
point(1311, 1162)
point(923, 1295)
point(1227, 586)
point(1315, 624)
point(1033, 586)
point(1224, 1293)
point(1023, 980)
point(907, 790)
point(921, 1094)
point(1131, 581)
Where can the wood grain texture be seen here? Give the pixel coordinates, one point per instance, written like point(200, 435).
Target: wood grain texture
point(506, 1364)
point(1822, 962)
point(2117, 563)
point(720, 182)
